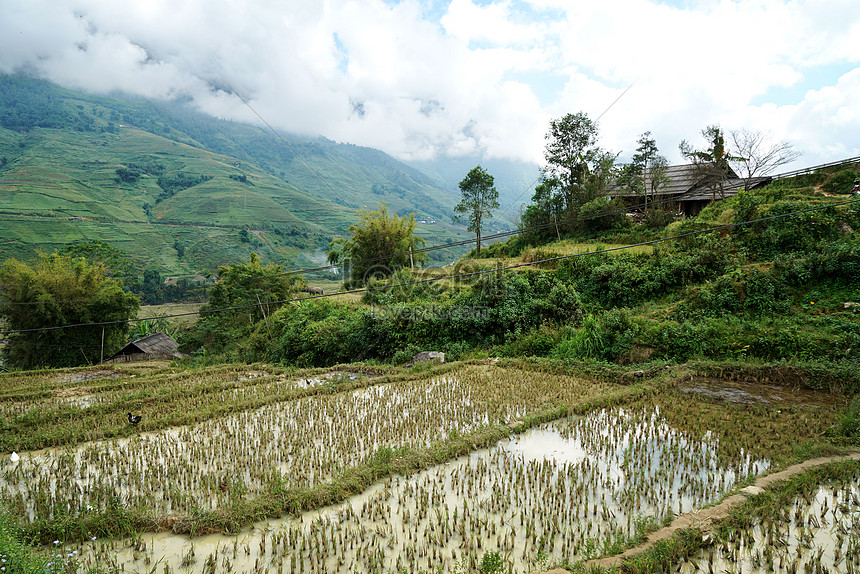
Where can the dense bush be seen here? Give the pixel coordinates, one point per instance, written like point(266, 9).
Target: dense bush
point(603, 213)
point(172, 184)
point(603, 337)
point(519, 310)
point(751, 290)
point(625, 280)
point(841, 182)
point(787, 231)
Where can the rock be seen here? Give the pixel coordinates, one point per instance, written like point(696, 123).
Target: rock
point(426, 356)
point(638, 373)
point(752, 490)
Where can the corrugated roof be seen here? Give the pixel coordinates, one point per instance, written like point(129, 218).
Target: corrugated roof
point(683, 184)
point(157, 344)
point(731, 187)
point(681, 179)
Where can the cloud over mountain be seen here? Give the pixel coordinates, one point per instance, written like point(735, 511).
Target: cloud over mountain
point(466, 77)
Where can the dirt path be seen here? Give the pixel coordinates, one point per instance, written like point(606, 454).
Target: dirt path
point(706, 517)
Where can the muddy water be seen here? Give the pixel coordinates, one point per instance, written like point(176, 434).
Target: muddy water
point(546, 496)
point(295, 444)
point(750, 393)
point(819, 533)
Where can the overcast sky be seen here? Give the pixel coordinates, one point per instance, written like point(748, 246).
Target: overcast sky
point(420, 79)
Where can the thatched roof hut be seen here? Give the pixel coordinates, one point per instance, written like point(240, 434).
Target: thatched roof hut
point(155, 346)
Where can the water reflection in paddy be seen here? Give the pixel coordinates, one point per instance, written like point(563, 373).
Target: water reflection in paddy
point(546, 496)
point(819, 532)
point(289, 444)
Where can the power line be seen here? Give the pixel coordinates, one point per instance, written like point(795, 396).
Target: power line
point(455, 275)
point(490, 237)
point(500, 235)
point(315, 172)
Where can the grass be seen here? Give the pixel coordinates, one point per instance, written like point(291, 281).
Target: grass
point(772, 505)
point(55, 174)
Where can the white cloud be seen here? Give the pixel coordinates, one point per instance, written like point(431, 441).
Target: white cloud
point(480, 78)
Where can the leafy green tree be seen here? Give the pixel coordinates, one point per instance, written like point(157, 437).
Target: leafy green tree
point(381, 243)
point(245, 294)
point(711, 164)
point(648, 173)
point(58, 290)
point(480, 198)
point(576, 172)
point(152, 286)
point(570, 151)
point(117, 263)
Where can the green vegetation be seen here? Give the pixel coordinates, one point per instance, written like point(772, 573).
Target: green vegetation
point(659, 345)
point(480, 198)
point(249, 293)
point(768, 292)
point(137, 175)
point(62, 290)
point(380, 244)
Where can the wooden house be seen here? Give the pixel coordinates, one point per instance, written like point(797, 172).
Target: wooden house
point(685, 190)
point(155, 346)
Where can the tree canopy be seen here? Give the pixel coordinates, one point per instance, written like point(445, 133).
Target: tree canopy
point(117, 263)
point(244, 294)
point(577, 171)
point(58, 290)
point(480, 198)
point(648, 168)
point(381, 243)
point(569, 153)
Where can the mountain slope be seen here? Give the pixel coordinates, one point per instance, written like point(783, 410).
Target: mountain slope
point(176, 189)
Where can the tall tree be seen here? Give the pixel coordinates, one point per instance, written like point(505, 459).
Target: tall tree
point(381, 243)
point(55, 291)
point(570, 150)
point(480, 198)
point(757, 155)
point(648, 168)
point(712, 168)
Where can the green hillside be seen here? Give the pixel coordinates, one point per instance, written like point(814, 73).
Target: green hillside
point(175, 188)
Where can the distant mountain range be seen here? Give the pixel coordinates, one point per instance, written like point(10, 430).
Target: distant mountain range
point(184, 192)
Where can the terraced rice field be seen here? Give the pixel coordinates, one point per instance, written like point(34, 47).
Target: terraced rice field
point(450, 469)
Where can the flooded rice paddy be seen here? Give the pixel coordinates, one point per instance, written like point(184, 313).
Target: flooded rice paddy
point(297, 443)
point(553, 495)
point(818, 533)
point(547, 496)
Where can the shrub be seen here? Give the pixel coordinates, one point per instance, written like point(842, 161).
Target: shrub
point(603, 213)
point(658, 218)
point(841, 182)
point(798, 233)
point(536, 343)
point(603, 337)
point(848, 423)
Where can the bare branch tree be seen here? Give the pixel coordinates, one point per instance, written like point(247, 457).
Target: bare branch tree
point(756, 155)
point(711, 165)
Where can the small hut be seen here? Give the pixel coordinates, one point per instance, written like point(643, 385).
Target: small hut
point(155, 346)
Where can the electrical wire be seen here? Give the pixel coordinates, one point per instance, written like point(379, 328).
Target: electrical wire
point(452, 276)
point(490, 237)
